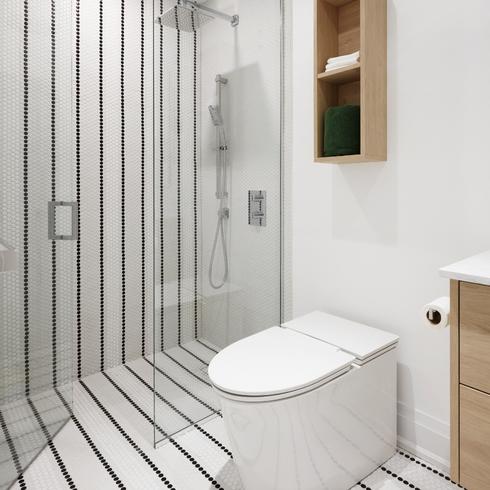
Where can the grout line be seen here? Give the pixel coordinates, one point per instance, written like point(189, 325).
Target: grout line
point(25, 184)
point(101, 186)
point(161, 196)
point(179, 191)
point(123, 183)
point(142, 175)
point(195, 179)
point(54, 289)
point(78, 193)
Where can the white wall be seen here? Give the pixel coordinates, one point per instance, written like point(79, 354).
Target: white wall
point(368, 239)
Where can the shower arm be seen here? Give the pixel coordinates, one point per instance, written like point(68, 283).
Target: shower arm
point(234, 20)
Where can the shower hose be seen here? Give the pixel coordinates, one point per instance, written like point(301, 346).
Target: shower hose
point(219, 235)
point(223, 211)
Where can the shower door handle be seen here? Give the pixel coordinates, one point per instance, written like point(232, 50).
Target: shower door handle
point(52, 230)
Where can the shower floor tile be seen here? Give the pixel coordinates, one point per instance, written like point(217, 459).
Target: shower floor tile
point(108, 442)
point(24, 431)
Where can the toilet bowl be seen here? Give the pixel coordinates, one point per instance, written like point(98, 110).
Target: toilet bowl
point(310, 405)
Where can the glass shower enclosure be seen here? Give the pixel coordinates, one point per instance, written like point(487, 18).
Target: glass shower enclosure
point(218, 183)
point(96, 159)
point(38, 229)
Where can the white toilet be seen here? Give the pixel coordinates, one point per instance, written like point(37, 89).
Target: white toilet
point(310, 405)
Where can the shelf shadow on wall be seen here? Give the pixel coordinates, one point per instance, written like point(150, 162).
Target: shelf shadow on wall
point(365, 196)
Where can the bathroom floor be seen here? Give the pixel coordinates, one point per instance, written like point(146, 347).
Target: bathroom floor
point(107, 444)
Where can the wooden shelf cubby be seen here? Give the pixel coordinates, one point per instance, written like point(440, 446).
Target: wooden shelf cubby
point(343, 27)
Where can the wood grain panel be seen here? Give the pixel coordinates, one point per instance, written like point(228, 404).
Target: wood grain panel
point(454, 407)
point(345, 74)
point(326, 46)
point(349, 93)
point(339, 3)
point(373, 79)
point(475, 439)
point(326, 34)
point(349, 28)
point(326, 97)
point(475, 336)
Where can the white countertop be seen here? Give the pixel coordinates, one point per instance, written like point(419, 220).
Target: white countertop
point(473, 269)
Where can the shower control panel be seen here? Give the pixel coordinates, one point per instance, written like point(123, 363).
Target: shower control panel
point(257, 208)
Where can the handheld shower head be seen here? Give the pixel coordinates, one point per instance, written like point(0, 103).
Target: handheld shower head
point(216, 115)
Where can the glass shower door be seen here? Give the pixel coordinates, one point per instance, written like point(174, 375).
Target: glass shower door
point(218, 192)
point(38, 229)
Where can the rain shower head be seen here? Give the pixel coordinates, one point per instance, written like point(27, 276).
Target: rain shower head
point(184, 18)
point(189, 16)
point(216, 116)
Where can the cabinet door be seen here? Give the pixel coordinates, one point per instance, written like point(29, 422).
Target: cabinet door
point(475, 439)
point(475, 336)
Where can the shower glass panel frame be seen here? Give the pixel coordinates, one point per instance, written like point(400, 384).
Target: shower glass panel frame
point(215, 144)
point(38, 229)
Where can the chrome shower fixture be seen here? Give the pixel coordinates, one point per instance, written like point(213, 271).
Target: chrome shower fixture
point(216, 116)
point(221, 187)
point(189, 16)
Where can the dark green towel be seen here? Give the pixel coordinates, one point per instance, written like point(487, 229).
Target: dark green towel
point(342, 131)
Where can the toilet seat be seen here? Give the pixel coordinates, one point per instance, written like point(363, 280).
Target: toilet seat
point(276, 363)
point(303, 354)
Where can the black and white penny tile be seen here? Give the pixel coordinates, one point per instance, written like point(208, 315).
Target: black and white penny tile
point(404, 471)
point(108, 443)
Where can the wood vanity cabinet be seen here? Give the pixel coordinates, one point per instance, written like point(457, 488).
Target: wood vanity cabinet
point(470, 384)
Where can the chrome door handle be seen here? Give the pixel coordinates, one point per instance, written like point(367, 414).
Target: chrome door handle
point(52, 205)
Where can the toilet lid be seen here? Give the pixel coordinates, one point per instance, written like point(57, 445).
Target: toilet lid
point(275, 361)
point(355, 338)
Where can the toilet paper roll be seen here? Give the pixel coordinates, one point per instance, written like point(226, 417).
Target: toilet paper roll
point(436, 313)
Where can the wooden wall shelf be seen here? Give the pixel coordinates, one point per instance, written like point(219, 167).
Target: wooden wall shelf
point(342, 27)
point(346, 74)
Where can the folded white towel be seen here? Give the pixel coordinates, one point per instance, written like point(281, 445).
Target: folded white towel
point(336, 66)
point(346, 57)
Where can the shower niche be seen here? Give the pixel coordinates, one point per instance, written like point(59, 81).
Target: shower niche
point(343, 27)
